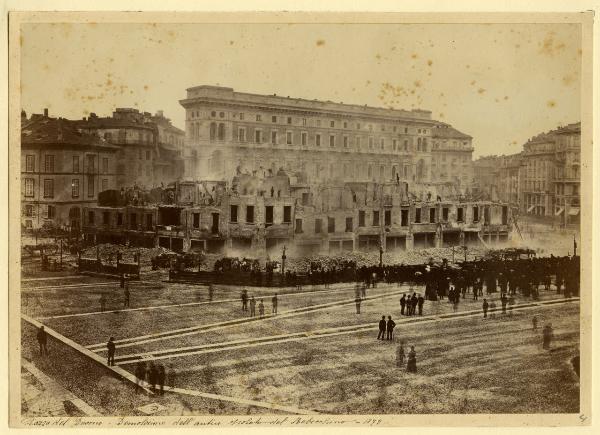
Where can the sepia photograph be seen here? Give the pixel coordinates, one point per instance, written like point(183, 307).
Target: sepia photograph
point(310, 220)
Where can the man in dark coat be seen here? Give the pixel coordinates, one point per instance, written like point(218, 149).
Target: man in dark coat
point(413, 304)
point(382, 325)
point(402, 304)
point(111, 351)
point(390, 328)
point(420, 302)
point(485, 308)
point(504, 301)
point(244, 298)
point(274, 303)
point(42, 338)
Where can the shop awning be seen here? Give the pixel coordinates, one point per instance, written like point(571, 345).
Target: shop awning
point(573, 211)
point(530, 208)
point(560, 210)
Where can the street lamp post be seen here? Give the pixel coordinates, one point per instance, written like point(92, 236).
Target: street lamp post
point(380, 256)
point(283, 257)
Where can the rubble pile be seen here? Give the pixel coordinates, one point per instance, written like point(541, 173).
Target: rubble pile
point(107, 250)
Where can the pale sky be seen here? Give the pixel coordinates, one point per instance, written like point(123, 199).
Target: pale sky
point(500, 83)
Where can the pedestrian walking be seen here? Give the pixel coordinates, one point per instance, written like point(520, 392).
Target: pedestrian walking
point(140, 374)
point(402, 304)
point(111, 351)
point(548, 335)
point(261, 308)
point(485, 308)
point(420, 302)
point(274, 303)
point(400, 355)
point(102, 302)
point(411, 366)
point(357, 303)
point(252, 306)
point(390, 328)
point(382, 325)
point(171, 376)
point(161, 379)
point(42, 338)
point(244, 297)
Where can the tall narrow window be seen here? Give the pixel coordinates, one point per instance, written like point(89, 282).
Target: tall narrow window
point(213, 131)
point(417, 215)
point(298, 229)
point(48, 163)
point(332, 141)
point(287, 214)
point(91, 187)
point(318, 225)
point(269, 215)
point(257, 136)
point(29, 187)
point(361, 218)
point(274, 137)
point(375, 218)
point(318, 140)
point(221, 131)
point(250, 214)
point(303, 138)
point(30, 163)
point(48, 188)
point(75, 188)
point(105, 165)
point(242, 134)
point(288, 138)
point(233, 213)
point(349, 226)
point(331, 225)
point(387, 217)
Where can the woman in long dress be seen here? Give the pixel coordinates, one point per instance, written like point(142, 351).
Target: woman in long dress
point(411, 366)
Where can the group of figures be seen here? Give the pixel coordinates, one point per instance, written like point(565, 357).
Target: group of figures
point(250, 302)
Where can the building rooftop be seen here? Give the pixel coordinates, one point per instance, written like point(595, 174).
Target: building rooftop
point(446, 131)
point(43, 130)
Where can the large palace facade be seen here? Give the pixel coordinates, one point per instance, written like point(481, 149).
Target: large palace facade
point(230, 132)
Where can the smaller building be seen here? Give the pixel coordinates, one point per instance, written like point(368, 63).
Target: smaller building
point(62, 170)
point(451, 156)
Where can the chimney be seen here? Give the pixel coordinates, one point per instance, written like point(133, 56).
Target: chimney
point(45, 113)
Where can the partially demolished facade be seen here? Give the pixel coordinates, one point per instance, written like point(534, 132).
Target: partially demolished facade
point(257, 216)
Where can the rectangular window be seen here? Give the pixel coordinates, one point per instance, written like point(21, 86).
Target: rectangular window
point(233, 213)
point(250, 214)
point(417, 215)
point(50, 213)
point(298, 229)
point(375, 218)
point(273, 119)
point(104, 184)
point(287, 214)
point(269, 215)
point(304, 121)
point(241, 116)
point(91, 187)
point(445, 214)
point(196, 220)
point(257, 136)
point(318, 225)
point(330, 225)
point(29, 183)
point(289, 120)
point(475, 214)
point(259, 118)
point(358, 125)
point(394, 144)
point(303, 138)
point(48, 188)
point(432, 215)
point(48, 163)
point(387, 218)
point(318, 140)
point(274, 137)
point(242, 135)
point(288, 138)
point(345, 141)
point(349, 225)
point(119, 219)
point(332, 124)
point(404, 218)
point(105, 163)
point(332, 141)
point(29, 210)
point(75, 188)
point(30, 163)
point(91, 167)
point(105, 218)
point(361, 218)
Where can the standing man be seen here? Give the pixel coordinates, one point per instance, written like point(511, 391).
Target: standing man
point(413, 304)
point(421, 301)
point(503, 300)
point(400, 355)
point(357, 302)
point(127, 294)
point(548, 334)
point(244, 300)
point(485, 308)
point(111, 351)
point(274, 303)
point(402, 304)
point(261, 308)
point(252, 307)
point(381, 334)
point(390, 328)
point(42, 338)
